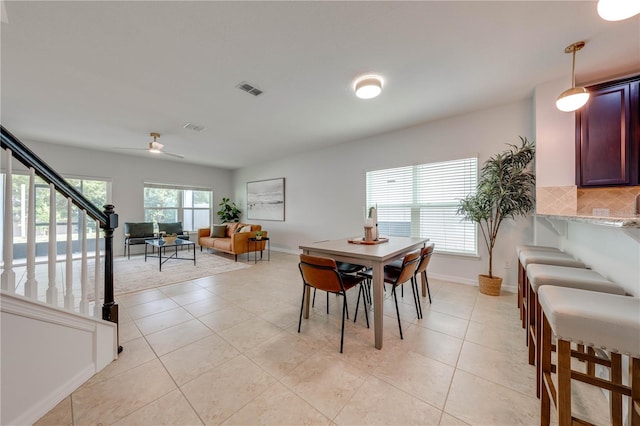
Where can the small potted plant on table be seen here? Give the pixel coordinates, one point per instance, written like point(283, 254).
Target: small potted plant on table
point(258, 235)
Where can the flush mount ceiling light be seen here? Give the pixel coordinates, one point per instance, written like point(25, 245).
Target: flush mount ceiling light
point(617, 10)
point(574, 98)
point(368, 86)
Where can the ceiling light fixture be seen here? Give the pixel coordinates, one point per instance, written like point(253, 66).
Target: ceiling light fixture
point(368, 86)
point(617, 10)
point(155, 146)
point(574, 98)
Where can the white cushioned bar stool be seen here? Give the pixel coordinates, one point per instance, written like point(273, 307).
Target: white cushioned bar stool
point(521, 270)
point(597, 320)
point(533, 256)
point(539, 275)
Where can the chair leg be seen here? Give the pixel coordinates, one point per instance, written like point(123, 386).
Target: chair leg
point(364, 302)
point(313, 303)
point(395, 299)
point(344, 310)
point(415, 284)
point(415, 301)
point(304, 289)
point(426, 280)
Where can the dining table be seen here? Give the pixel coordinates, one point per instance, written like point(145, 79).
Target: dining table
point(374, 256)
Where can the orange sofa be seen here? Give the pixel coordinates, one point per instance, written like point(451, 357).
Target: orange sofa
point(234, 242)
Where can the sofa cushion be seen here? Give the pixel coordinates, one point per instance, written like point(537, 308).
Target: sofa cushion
point(139, 229)
point(245, 228)
point(231, 228)
point(222, 244)
point(218, 231)
point(170, 228)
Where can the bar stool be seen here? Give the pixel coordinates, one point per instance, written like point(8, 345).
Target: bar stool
point(528, 257)
point(598, 320)
point(521, 269)
point(560, 276)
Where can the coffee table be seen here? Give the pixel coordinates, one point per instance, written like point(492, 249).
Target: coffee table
point(162, 246)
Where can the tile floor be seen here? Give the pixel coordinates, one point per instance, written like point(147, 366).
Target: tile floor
point(225, 350)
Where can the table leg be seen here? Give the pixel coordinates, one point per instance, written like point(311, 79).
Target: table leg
point(378, 300)
point(194, 255)
point(160, 258)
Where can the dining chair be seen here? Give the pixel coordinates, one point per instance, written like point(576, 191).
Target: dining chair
point(397, 277)
point(425, 258)
point(322, 273)
point(343, 268)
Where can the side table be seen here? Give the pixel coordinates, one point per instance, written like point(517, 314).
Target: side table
point(252, 242)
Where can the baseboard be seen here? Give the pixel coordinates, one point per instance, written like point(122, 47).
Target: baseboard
point(39, 409)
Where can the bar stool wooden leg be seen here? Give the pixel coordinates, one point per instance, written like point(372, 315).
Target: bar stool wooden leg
point(531, 327)
point(564, 382)
point(545, 371)
point(615, 397)
point(634, 370)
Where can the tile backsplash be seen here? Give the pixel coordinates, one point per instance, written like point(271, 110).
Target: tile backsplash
point(560, 200)
point(620, 201)
point(571, 200)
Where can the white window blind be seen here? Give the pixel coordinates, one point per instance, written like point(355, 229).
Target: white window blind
point(422, 201)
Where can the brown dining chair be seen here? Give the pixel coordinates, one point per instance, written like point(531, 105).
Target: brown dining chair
point(397, 277)
point(343, 268)
point(421, 270)
point(322, 273)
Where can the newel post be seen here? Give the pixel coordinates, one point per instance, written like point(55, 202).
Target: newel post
point(110, 307)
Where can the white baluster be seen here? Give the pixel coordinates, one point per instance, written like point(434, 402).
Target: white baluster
point(69, 302)
point(97, 311)
point(8, 276)
point(31, 286)
point(52, 289)
point(84, 304)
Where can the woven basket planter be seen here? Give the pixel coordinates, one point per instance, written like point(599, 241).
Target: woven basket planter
point(489, 286)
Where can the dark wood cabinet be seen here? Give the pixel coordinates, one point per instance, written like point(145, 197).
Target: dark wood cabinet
point(608, 135)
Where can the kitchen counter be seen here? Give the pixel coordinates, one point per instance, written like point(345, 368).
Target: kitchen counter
point(612, 221)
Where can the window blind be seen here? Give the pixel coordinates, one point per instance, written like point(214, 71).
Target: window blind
point(422, 201)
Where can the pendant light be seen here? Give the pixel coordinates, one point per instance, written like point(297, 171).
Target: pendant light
point(617, 10)
point(575, 97)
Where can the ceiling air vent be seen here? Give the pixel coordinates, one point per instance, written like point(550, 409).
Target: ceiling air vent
point(194, 127)
point(249, 88)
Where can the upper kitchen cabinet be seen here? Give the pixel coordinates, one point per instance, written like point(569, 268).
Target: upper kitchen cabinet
point(608, 135)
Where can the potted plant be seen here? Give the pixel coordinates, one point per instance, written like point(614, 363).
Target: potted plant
point(505, 191)
point(258, 235)
point(228, 211)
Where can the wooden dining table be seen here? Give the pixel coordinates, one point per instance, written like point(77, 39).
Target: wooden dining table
point(373, 256)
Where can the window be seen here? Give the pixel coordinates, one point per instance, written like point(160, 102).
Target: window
point(170, 203)
point(422, 201)
point(96, 191)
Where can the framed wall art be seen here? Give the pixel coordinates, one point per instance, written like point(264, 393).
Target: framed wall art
point(265, 199)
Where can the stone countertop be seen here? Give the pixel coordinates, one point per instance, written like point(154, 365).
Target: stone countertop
point(612, 221)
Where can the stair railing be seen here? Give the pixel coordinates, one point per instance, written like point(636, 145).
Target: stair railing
point(106, 219)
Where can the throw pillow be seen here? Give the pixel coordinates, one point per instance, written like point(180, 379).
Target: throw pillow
point(246, 228)
point(218, 231)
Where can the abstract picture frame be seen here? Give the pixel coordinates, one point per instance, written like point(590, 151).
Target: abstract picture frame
point(266, 199)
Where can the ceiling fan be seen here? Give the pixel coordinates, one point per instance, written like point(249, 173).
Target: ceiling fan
point(156, 147)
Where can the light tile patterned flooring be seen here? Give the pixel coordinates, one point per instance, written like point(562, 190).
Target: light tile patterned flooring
point(225, 350)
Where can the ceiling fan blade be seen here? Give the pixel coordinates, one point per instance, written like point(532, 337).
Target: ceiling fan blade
point(172, 154)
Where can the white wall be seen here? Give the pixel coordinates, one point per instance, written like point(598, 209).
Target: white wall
point(128, 174)
point(325, 189)
point(555, 134)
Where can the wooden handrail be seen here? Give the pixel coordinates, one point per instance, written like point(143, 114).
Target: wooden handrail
point(27, 157)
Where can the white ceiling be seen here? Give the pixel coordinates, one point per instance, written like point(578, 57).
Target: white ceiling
point(102, 75)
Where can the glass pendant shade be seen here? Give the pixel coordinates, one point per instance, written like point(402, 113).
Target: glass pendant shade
point(572, 99)
point(617, 10)
point(575, 97)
